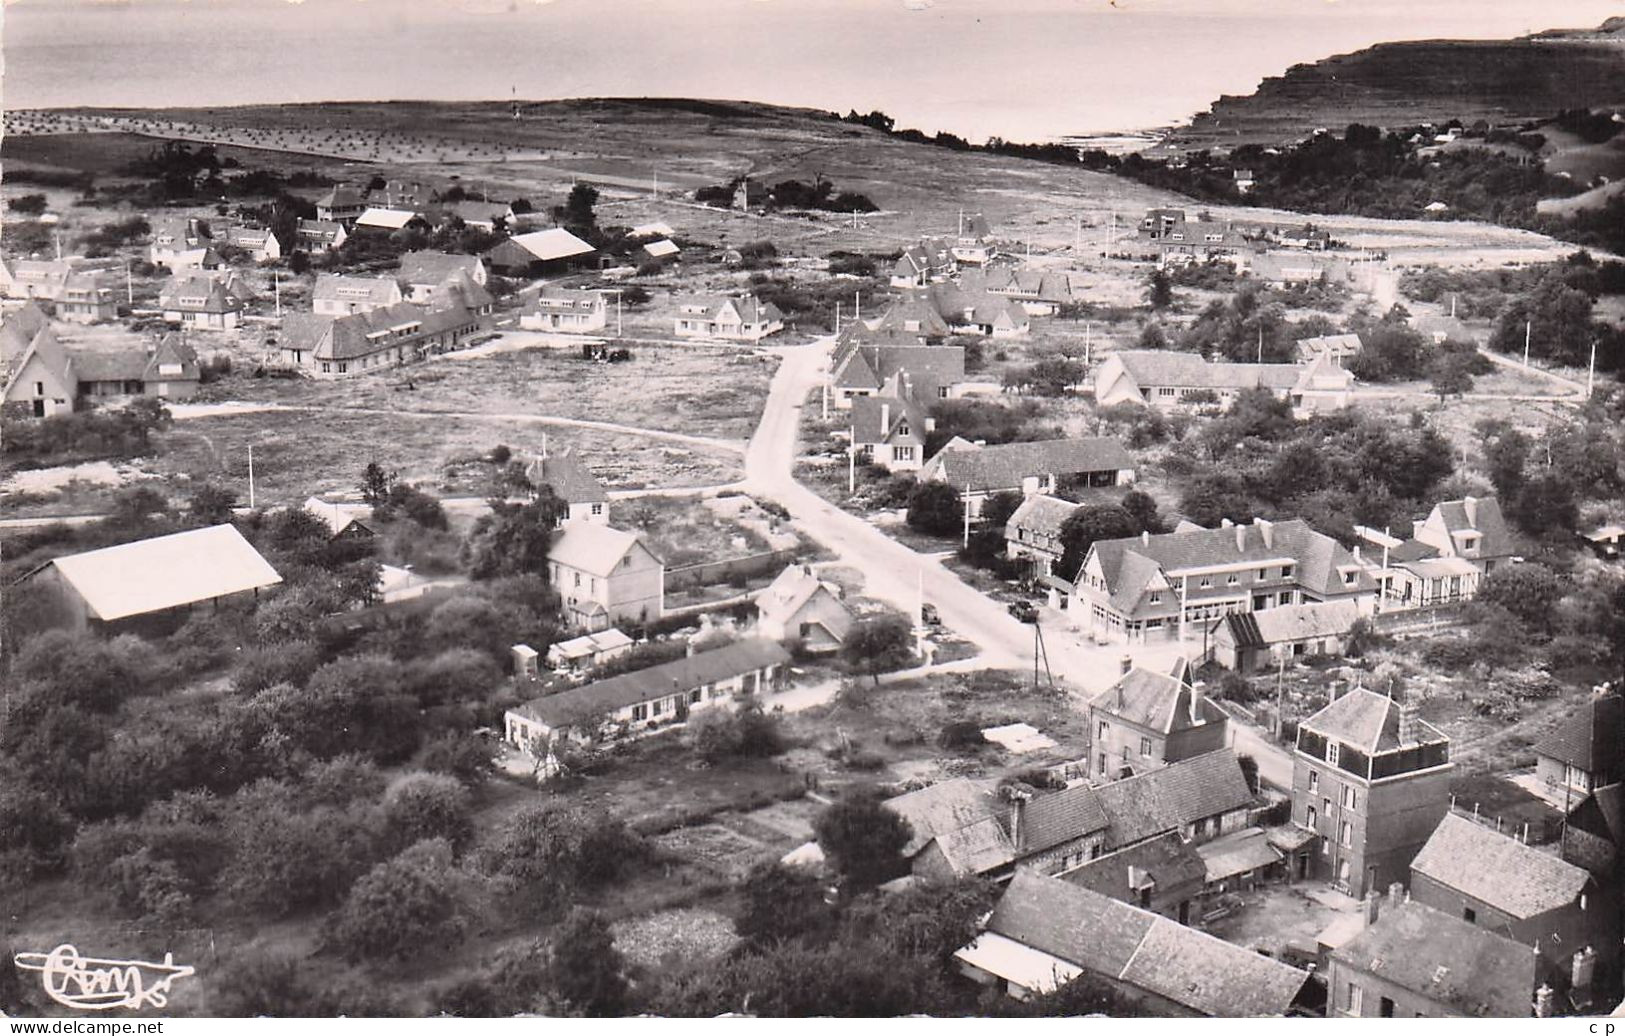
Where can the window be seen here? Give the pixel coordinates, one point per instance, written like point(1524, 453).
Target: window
point(1286, 597)
point(1167, 392)
point(1205, 582)
point(597, 509)
point(1102, 761)
point(1331, 752)
point(1345, 833)
point(578, 579)
point(1232, 579)
point(902, 452)
point(1286, 571)
point(1314, 781)
point(1354, 999)
point(1326, 805)
point(1156, 597)
point(942, 392)
point(1385, 1007)
point(1469, 915)
point(1263, 573)
point(1351, 798)
point(640, 713)
point(1310, 816)
point(659, 705)
point(1103, 729)
point(1349, 577)
point(1125, 753)
point(694, 696)
point(1325, 846)
point(1145, 746)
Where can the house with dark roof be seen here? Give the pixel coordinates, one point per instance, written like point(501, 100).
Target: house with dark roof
point(337, 295)
point(1197, 241)
point(1250, 641)
point(1532, 896)
point(573, 482)
point(1033, 532)
point(423, 272)
point(343, 204)
point(1165, 379)
point(203, 302)
point(1028, 468)
point(17, 330)
point(889, 429)
point(86, 298)
point(914, 313)
point(566, 310)
point(1047, 931)
point(1370, 782)
point(605, 577)
point(1447, 555)
point(323, 234)
point(260, 244)
point(183, 243)
point(743, 319)
point(1040, 292)
point(1176, 583)
point(1594, 834)
point(974, 242)
point(657, 696)
point(1340, 348)
point(377, 339)
point(1412, 961)
point(933, 371)
point(1150, 718)
point(927, 262)
point(1585, 752)
point(1157, 222)
point(41, 381)
point(1163, 875)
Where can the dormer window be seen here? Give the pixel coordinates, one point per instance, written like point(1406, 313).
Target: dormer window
point(1469, 543)
point(1332, 752)
point(1156, 597)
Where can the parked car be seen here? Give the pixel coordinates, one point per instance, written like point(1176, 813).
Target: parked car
point(929, 616)
point(1024, 611)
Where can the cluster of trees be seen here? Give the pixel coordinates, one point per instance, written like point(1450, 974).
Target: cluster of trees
point(809, 304)
point(1572, 621)
point(1554, 315)
point(1541, 482)
point(84, 435)
point(981, 420)
point(820, 195)
point(1248, 327)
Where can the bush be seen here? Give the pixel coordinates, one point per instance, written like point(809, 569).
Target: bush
point(404, 907)
point(960, 735)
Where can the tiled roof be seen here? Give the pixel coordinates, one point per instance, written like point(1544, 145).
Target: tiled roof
point(927, 366)
point(1482, 515)
point(592, 548)
point(1003, 466)
point(217, 296)
point(1292, 622)
point(1591, 738)
point(1365, 719)
point(790, 590)
point(1196, 970)
point(572, 481)
point(976, 848)
point(1237, 853)
point(675, 677)
point(1156, 701)
point(944, 807)
point(376, 291)
point(1441, 957)
point(18, 329)
point(1411, 550)
point(868, 427)
point(1166, 860)
point(347, 337)
point(107, 364)
point(914, 307)
point(433, 268)
point(1155, 368)
point(1169, 797)
point(340, 197)
point(1060, 816)
point(1040, 513)
point(1337, 345)
point(1498, 869)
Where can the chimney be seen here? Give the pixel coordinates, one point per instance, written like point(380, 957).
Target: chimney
point(1410, 731)
point(1267, 530)
point(1225, 523)
point(1356, 552)
point(1241, 538)
point(885, 418)
point(688, 649)
point(1416, 528)
point(1145, 537)
point(1124, 664)
point(1544, 1001)
point(1018, 816)
point(1582, 968)
point(1196, 705)
point(1396, 894)
point(1470, 505)
point(1373, 907)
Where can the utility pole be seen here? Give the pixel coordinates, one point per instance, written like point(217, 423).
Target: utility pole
point(837, 320)
point(857, 305)
point(276, 287)
point(825, 387)
point(129, 284)
point(1528, 328)
point(1280, 698)
point(1086, 343)
point(1261, 341)
point(251, 477)
point(967, 514)
point(1591, 371)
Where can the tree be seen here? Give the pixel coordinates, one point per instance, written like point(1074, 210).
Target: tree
point(514, 539)
point(28, 204)
point(934, 508)
point(548, 850)
point(404, 907)
point(428, 805)
point(1087, 524)
point(143, 416)
point(578, 206)
point(781, 903)
point(1545, 508)
point(1143, 509)
point(863, 838)
point(376, 484)
point(879, 645)
point(211, 503)
point(1449, 375)
point(1529, 591)
point(1159, 292)
point(1506, 452)
point(584, 967)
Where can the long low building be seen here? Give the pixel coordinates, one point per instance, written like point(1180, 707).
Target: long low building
point(1164, 378)
point(648, 697)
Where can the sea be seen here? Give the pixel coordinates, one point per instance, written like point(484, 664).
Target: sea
point(1024, 70)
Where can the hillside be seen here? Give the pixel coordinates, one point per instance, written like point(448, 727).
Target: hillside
point(1394, 84)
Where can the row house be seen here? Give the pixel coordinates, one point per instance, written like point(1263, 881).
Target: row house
point(391, 336)
point(1172, 584)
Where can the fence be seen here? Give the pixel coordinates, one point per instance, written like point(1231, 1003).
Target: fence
point(1419, 620)
point(709, 573)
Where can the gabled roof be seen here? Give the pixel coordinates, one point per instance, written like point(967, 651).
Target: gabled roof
point(1155, 368)
point(218, 296)
point(1237, 853)
point(337, 516)
point(675, 677)
point(165, 572)
point(1166, 861)
point(976, 848)
point(433, 268)
point(571, 480)
point(1060, 816)
point(1494, 868)
point(1169, 797)
point(1448, 960)
point(375, 291)
point(1337, 345)
point(340, 197)
point(589, 644)
point(322, 228)
point(944, 807)
point(655, 229)
point(927, 366)
point(1040, 513)
point(914, 307)
point(593, 548)
point(248, 237)
point(347, 337)
point(1096, 933)
point(460, 291)
point(1157, 701)
point(1482, 515)
point(1291, 622)
point(553, 243)
point(1005, 465)
point(790, 591)
point(661, 248)
point(50, 353)
point(1366, 720)
point(386, 219)
point(18, 329)
point(876, 419)
point(126, 362)
point(1591, 738)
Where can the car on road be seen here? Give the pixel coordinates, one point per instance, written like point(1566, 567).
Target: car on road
point(1024, 611)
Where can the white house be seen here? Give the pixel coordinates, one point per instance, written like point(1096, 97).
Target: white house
point(744, 319)
point(567, 311)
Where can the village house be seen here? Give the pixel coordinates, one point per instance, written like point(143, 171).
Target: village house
point(798, 606)
point(974, 243)
point(1340, 348)
point(1282, 270)
point(538, 252)
point(1244, 859)
point(1412, 961)
point(1175, 583)
point(566, 310)
point(1163, 875)
point(1534, 897)
point(979, 312)
point(744, 319)
point(1028, 468)
point(50, 378)
point(889, 429)
point(1448, 554)
point(572, 482)
point(1040, 292)
point(260, 244)
point(588, 651)
point(86, 298)
point(17, 331)
point(343, 204)
point(913, 313)
point(337, 295)
point(1158, 222)
point(933, 371)
point(1047, 931)
point(724, 677)
point(34, 278)
point(459, 291)
point(182, 244)
point(1371, 781)
point(1033, 533)
point(390, 336)
point(163, 577)
point(41, 381)
point(1253, 640)
point(1303, 235)
point(928, 262)
point(605, 577)
point(423, 272)
point(1586, 752)
point(1149, 719)
point(203, 302)
point(344, 521)
point(1169, 379)
point(1194, 241)
point(321, 234)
